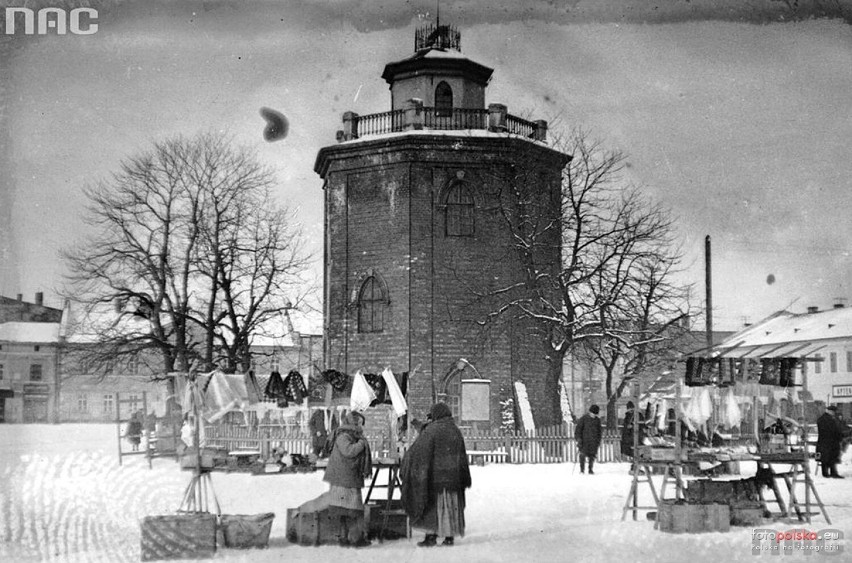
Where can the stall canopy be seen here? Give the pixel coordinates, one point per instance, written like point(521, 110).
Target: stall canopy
point(786, 334)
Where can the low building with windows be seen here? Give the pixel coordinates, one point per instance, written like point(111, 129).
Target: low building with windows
point(29, 360)
point(823, 338)
point(45, 378)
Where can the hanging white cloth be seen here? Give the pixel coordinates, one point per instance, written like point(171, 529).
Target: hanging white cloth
point(662, 415)
point(731, 410)
point(225, 393)
point(397, 399)
point(362, 393)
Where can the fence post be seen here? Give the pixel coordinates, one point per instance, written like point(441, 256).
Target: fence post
point(507, 445)
point(497, 117)
point(413, 111)
point(350, 125)
point(540, 131)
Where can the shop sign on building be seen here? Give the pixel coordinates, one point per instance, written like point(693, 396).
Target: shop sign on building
point(36, 389)
point(841, 391)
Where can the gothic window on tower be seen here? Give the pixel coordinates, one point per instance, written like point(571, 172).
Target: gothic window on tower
point(459, 211)
point(371, 306)
point(443, 100)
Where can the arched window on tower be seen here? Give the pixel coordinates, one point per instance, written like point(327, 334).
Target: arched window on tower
point(371, 306)
point(443, 100)
point(459, 211)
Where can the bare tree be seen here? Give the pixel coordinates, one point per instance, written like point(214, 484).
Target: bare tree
point(642, 310)
point(616, 261)
point(187, 256)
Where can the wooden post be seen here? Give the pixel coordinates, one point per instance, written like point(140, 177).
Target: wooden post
point(118, 424)
point(677, 452)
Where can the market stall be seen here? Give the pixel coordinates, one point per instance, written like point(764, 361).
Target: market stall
point(725, 412)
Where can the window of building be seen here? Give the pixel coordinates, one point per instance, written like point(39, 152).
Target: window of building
point(832, 362)
point(82, 403)
point(109, 404)
point(133, 402)
point(2, 372)
point(818, 364)
point(36, 348)
point(849, 360)
point(371, 306)
point(459, 211)
point(443, 100)
point(35, 372)
point(275, 363)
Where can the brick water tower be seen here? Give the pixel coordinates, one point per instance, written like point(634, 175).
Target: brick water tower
point(416, 236)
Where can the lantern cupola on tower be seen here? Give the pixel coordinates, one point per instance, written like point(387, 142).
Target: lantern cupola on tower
point(437, 73)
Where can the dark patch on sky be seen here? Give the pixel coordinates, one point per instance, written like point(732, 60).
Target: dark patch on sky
point(277, 125)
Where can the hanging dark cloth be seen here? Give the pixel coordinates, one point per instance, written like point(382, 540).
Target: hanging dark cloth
point(402, 380)
point(786, 372)
point(294, 387)
point(379, 387)
point(338, 380)
point(770, 371)
point(275, 389)
point(698, 372)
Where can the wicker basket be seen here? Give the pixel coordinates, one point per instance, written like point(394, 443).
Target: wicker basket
point(178, 536)
point(246, 531)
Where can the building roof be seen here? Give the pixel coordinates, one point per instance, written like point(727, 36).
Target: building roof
point(788, 334)
point(41, 333)
point(444, 61)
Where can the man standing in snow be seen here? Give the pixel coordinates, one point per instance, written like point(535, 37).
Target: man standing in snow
point(828, 442)
point(588, 435)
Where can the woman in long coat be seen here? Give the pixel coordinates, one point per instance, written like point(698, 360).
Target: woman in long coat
point(435, 474)
point(348, 465)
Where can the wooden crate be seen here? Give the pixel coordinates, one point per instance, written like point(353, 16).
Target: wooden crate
point(706, 491)
point(679, 518)
point(311, 528)
point(747, 515)
point(397, 525)
point(178, 536)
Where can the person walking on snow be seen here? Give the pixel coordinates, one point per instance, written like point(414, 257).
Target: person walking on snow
point(588, 434)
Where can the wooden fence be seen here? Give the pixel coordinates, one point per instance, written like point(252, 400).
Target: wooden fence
point(545, 445)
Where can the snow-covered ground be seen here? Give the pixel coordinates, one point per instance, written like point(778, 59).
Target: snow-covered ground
point(64, 497)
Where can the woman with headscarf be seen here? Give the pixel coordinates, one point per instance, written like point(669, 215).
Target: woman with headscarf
point(435, 474)
point(348, 465)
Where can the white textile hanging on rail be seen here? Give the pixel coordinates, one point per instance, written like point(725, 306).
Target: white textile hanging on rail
point(400, 407)
point(362, 393)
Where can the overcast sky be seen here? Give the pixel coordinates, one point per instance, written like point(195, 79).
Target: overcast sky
point(735, 114)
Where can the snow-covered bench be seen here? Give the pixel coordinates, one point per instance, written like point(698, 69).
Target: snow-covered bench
point(481, 457)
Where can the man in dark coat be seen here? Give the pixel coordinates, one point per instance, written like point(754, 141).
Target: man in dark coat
point(319, 434)
point(628, 428)
point(588, 434)
point(435, 474)
point(828, 442)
